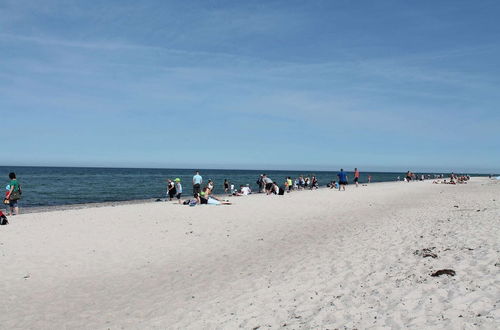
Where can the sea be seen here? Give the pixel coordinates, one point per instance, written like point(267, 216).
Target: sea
point(56, 186)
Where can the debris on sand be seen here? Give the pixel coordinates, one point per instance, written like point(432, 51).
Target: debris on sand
point(425, 253)
point(440, 272)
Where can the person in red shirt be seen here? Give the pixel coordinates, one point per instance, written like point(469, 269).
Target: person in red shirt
point(356, 176)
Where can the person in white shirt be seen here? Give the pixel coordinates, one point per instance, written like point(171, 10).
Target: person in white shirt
point(245, 190)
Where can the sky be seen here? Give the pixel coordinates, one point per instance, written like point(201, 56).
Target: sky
point(378, 85)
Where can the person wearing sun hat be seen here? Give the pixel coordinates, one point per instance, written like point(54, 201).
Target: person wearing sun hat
point(178, 189)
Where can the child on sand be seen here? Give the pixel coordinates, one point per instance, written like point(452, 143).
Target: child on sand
point(178, 189)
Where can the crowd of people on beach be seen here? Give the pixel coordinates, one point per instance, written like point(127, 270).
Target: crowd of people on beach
point(438, 178)
point(454, 179)
point(200, 195)
point(204, 195)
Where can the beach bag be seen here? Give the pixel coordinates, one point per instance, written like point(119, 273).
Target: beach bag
point(3, 219)
point(15, 195)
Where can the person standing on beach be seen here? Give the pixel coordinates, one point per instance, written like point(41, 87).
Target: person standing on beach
point(314, 183)
point(171, 189)
point(342, 179)
point(260, 183)
point(226, 186)
point(408, 176)
point(197, 181)
point(356, 176)
point(268, 183)
point(369, 178)
point(178, 188)
point(14, 194)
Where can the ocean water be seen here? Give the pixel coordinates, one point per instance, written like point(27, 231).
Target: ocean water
point(52, 186)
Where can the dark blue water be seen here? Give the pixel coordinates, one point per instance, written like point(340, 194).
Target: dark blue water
point(50, 186)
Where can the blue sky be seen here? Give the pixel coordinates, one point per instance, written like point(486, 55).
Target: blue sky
point(381, 85)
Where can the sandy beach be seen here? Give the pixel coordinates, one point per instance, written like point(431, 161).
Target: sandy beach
point(321, 259)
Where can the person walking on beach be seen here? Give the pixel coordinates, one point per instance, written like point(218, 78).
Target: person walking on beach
point(197, 181)
point(342, 179)
point(14, 194)
point(178, 189)
point(171, 189)
point(356, 176)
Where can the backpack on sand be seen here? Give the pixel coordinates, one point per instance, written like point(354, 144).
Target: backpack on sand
point(3, 219)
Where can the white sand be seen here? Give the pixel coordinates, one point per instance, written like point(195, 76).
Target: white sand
point(315, 259)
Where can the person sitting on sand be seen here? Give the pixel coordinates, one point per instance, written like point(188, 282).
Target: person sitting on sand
point(244, 191)
point(333, 185)
point(210, 185)
point(277, 190)
point(211, 200)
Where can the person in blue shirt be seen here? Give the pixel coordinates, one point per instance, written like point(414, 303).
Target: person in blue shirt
point(197, 181)
point(342, 179)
